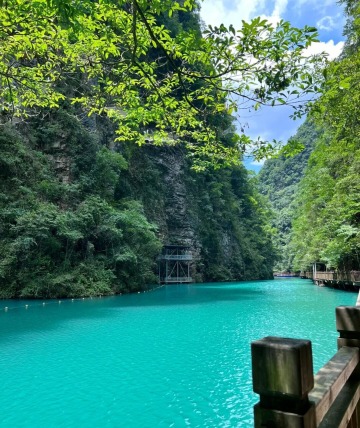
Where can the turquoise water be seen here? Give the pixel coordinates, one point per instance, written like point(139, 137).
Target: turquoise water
point(178, 356)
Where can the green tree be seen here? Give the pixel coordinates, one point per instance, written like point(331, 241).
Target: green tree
point(327, 226)
point(73, 238)
point(279, 182)
point(106, 47)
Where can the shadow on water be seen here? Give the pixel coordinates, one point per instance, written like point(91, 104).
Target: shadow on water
point(196, 294)
point(32, 316)
point(39, 318)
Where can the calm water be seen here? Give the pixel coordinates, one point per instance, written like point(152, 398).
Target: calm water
point(175, 357)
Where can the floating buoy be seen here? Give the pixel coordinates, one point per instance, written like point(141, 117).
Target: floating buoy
point(6, 308)
point(26, 306)
point(59, 302)
point(43, 303)
point(72, 300)
point(83, 298)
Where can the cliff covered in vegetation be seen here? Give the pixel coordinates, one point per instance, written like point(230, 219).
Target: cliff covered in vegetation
point(81, 215)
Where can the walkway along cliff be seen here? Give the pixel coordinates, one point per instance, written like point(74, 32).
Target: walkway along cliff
point(342, 280)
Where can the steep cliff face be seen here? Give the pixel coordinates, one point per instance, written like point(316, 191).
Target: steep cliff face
point(217, 213)
point(62, 231)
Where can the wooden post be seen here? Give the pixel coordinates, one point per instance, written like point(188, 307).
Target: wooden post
point(348, 325)
point(283, 376)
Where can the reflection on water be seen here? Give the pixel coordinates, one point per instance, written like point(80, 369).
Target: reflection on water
point(175, 357)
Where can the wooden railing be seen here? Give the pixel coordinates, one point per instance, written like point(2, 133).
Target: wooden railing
point(355, 275)
point(351, 276)
point(306, 274)
point(334, 278)
point(325, 276)
point(292, 397)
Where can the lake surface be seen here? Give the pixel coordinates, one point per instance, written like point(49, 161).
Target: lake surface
point(178, 356)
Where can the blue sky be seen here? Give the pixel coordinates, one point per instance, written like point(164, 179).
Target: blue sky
point(325, 15)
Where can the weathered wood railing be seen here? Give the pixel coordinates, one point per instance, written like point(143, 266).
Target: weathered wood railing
point(306, 274)
point(292, 397)
point(350, 276)
point(327, 276)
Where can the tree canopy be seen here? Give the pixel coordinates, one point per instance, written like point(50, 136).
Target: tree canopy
point(158, 85)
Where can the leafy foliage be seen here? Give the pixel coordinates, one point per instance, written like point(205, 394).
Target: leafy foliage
point(327, 225)
point(77, 219)
point(218, 212)
point(68, 239)
point(159, 83)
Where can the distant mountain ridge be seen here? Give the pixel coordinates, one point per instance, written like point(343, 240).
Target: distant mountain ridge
point(279, 179)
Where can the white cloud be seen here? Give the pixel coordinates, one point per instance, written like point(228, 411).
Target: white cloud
point(326, 23)
point(272, 19)
point(216, 12)
point(332, 49)
point(279, 8)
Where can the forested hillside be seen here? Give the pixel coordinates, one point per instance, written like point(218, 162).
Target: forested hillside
point(80, 215)
point(86, 212)
point(324, 206)
point(218, 213)
point(279, 181)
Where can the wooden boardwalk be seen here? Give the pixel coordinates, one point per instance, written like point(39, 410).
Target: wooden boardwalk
point(341, 280)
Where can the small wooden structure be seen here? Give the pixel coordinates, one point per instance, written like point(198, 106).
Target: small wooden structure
point(174, 264)
point(292, 397)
